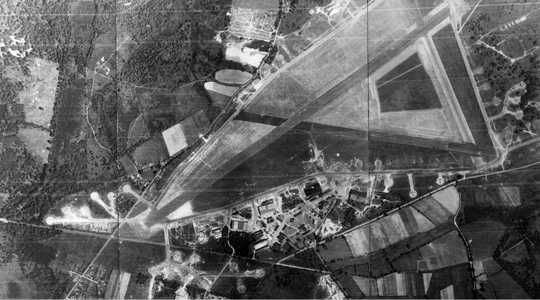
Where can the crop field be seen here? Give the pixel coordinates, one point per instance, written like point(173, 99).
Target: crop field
point(218, 99)
point(351, 287)
point(439, 208)
point(445, 251)
point(408, 222)
point(407, 87)
point(368, 286)
point(457, 276)
point(230, 76)
point(507, 196)
point(401, 284)
point(450, 55)
point(336, 249)
point(382, 233)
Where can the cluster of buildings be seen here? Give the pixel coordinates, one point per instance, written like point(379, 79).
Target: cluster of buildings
point(92, 285)
point(287, 219)
point(199, 230)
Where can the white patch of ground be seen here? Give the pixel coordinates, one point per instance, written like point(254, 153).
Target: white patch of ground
point(39, 92)
point(36, 143)
point(110, 209)
point(248, 57)
point(184, 211)
point(12, 272)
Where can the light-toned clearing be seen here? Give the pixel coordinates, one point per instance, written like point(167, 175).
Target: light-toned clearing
point(443, 252)
point(174, 139)
point(447, 292)
point(448, 198)
point(184, 211)
point(402, 284)
point(424, 224)
point(232, 76)
point(427, 279)
point(236, 136)
point(368, 286)
point(39, 92)
point(123, 282)
point(97, 198)
point(253, 58)
point(36, 143)
point(358, 241)
point(220, 88)
point(395, 229)
point(12, 272)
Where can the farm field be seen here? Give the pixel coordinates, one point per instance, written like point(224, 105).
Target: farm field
point(393, 228)
point(452, 60)
point(407, 87)
point(445, 251)
point(230, 76)
point(458, 277)
point(501, 196)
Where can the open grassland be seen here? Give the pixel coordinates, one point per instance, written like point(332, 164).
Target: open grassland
point(151, 151)
point(484, 237)
point(452, 60)
point(348, 110)
point(407, 87)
